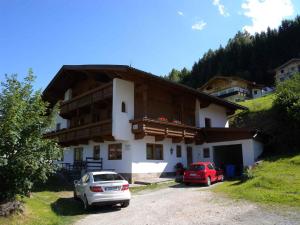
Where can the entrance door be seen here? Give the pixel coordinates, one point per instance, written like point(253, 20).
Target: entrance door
point(189, 152)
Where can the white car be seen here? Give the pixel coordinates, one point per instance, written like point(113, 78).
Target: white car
point(102, 188)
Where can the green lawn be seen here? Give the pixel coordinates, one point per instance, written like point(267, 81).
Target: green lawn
point(48, 207)
point(58, 207)
point(276, 181)
point(259, 104)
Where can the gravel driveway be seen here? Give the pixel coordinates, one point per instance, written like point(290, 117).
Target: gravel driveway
point(188, 205)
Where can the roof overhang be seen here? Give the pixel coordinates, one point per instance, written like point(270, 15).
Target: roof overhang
point(69, 74)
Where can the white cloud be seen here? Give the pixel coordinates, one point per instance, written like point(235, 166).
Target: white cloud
point(199, 25)
point(221, 8)
point(266, 13)
point(180, 13)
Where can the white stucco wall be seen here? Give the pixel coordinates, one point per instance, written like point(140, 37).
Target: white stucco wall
point(123, 91)
point(63, 123)
point(216, 113)
point(140, 164)
point(250, 149)
point(121, 166)
point(258, 148)
point(68, 95)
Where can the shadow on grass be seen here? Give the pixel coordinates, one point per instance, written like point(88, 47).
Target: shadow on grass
point(71, 207)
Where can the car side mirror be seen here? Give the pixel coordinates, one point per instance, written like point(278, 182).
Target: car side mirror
point(76, 182)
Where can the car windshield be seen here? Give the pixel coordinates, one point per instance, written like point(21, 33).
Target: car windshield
point(107, 177)
point(197, 167)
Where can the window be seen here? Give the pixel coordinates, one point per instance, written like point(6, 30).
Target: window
point(154, 151)
point(206, 153)
point(282, 71)
point(197, 167)
point(255, 92)
point(178, 151)
point(123, 107)
point(207, 122)
point(107, 177)
point(78, 154)
point(96, 154)
point(58, 126)
point(114, 151)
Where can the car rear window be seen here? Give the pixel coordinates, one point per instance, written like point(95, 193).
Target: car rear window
point(197, 167)
point(107, 177)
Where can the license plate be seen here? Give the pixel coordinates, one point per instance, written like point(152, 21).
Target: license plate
point(112, 188)
point(193, 174)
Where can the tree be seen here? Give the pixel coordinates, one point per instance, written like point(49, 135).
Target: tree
point(288, 98)
point(252, 57)
point(25, 156)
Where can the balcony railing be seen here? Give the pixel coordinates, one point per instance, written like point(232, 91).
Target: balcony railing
point(163, 129)
point(87, 98)
point(230, 91)
point(95, 131)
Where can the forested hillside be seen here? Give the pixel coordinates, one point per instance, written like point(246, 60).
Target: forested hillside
point(252, 57)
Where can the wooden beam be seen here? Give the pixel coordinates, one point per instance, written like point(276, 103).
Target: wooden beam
point(139, 136)
point(159, 138)
point(188, 140)
point(230, 112)
point(98, 139)
point(177, 140)
point(108, 138)
point(204, 104)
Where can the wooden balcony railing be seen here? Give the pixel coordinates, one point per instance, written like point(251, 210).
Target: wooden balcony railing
point(81, 135)
point(87, 98)
point(163, 129)
point(189, 134)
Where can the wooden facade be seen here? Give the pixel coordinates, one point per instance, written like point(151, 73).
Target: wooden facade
point(161, 108)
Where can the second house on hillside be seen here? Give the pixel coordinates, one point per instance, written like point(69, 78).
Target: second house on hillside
point(233, 89)
point(140, 125)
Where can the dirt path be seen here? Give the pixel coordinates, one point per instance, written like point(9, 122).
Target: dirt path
point(188, 205)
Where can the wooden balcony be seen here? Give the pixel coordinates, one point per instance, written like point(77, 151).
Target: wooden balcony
point(99, 132)
point(93, 96)
point(162, 129)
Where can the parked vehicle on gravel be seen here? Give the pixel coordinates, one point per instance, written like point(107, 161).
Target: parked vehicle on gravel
point(102, 188)
point(203, 173)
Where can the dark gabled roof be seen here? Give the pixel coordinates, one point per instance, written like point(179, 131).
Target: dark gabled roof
point(287, 63)
point(67, 73)
point(229, 78)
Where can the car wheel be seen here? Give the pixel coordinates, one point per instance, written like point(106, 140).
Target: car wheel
point(86, 205)
point(208, 182)
point(125, 204)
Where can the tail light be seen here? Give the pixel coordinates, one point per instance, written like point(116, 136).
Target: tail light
point(96, 189)
point(125, 187)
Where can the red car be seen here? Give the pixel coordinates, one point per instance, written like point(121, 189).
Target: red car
point(202, 173)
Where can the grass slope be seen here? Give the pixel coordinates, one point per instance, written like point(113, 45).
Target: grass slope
point(276, 181)
point(259, 104)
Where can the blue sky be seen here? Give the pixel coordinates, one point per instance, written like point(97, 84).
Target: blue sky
point(154, 36)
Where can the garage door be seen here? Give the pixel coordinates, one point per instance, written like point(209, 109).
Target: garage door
point(229, 155)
